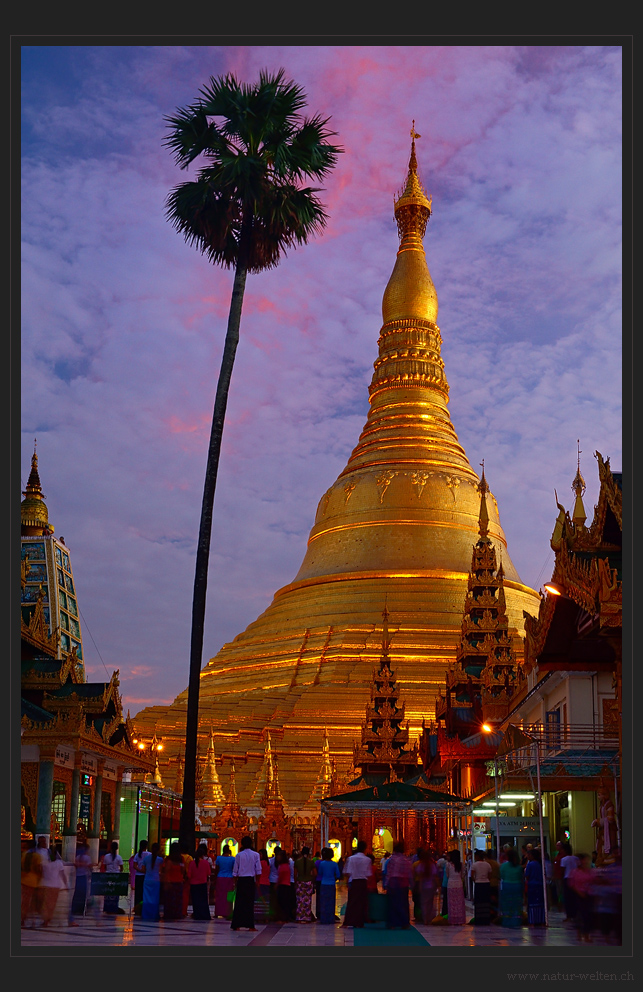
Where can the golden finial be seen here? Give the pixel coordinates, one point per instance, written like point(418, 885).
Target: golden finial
point(413, 196)
point(483, 518)
point(578, 487)
point(483, 486)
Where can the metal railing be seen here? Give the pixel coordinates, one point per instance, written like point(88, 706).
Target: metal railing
point(575, 744)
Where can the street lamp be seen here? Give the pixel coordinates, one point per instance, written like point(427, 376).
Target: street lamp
point(554, 589)
point(154, 746)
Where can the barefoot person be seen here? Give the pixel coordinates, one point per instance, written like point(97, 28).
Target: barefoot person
point(246, 873)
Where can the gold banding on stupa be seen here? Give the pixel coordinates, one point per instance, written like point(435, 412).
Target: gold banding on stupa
point(398, 525)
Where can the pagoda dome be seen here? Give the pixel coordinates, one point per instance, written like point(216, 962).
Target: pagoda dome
point(398, 525)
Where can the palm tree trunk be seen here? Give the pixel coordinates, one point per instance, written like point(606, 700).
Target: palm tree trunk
point(186, 828)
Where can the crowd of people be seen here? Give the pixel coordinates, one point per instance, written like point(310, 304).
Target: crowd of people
point(514, 890)
point(253, 887)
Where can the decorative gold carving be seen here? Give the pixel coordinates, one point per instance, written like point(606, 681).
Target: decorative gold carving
point(383, 481)
point(348, 490)
point(36, 632)
point(453, 482)
point(419, 480)
point(325, 500)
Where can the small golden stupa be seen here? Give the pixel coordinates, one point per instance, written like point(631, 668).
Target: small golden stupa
point(397, 526)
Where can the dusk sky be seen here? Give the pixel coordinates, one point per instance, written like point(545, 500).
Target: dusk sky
point(123, 323)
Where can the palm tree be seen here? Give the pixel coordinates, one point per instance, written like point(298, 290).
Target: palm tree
point(246, 206)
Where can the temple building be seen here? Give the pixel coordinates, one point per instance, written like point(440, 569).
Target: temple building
point(76, 745)
point(572, 700)
point(556, 717)
point(396, 527)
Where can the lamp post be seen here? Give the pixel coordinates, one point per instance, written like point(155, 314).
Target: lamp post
point(489, 730)
point(153, 746)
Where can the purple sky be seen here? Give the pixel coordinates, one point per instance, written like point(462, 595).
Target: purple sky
point(123, 323)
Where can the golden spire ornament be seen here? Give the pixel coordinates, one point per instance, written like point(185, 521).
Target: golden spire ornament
point(578, 487)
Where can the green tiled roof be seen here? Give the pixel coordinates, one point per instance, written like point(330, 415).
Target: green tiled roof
point(33, 712)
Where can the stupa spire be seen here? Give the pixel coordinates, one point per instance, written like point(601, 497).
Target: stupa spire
point(483, 517)
point(34, 516)
point(323, 785)
point(271, 792)
point(233, 799)
point(267, 788)
point(578, 488)
point(409, 423)
point(485, 674)
point(212, 791)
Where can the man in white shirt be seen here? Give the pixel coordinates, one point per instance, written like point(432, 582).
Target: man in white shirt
point(246, 873)
point(358, 869)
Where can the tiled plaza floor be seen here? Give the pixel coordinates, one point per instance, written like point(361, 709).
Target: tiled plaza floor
point(98, 930)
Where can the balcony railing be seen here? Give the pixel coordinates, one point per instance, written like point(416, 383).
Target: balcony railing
point(576, 746)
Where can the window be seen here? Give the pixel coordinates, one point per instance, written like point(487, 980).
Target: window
point(552, 728)
point(58, 809)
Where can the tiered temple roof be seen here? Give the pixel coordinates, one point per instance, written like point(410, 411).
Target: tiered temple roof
point(587, 577)
point(383, 751)
point(485, 675)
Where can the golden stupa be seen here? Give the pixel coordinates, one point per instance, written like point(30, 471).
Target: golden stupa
point(396, 528)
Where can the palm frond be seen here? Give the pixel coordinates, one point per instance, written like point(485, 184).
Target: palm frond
point(257, 149)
